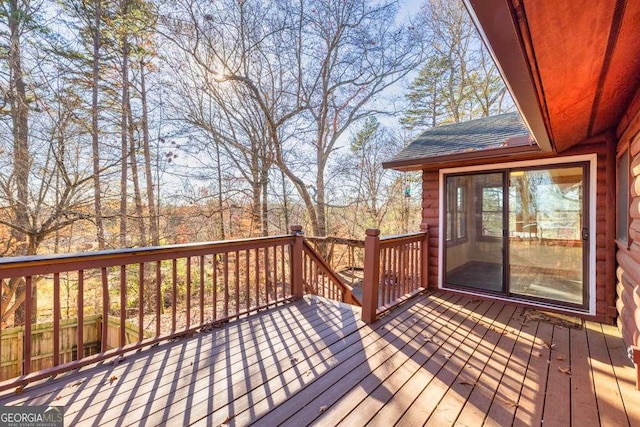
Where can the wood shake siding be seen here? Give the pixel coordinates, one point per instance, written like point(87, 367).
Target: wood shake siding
point(628, 256)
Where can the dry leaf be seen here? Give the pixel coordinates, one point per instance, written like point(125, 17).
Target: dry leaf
point(565, 370)
point(293, 360)
point(227, 420)
point(537, 353)
point(58, 397)
point(549, 345)
point(509, 403)
point(323, 408)
point(112, 378)
point(560, 357)
point(19, 389)
point(465, 382)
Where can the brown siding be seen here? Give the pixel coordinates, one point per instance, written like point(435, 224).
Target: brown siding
point(605, 222)
point(628, 271)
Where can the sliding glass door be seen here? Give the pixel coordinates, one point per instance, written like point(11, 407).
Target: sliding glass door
point(519, 232)
point(474, 236)
point(548, 233)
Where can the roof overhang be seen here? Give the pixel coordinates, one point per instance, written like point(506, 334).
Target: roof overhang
point(572, 67)
point(493, 18)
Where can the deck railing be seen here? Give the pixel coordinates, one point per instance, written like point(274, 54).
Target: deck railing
point(395, 268)
point(158, 293)
point(320, 279)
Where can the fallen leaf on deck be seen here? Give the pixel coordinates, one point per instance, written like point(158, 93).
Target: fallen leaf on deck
point(293, 360)
point(509, 403)
point(549, 345)
point(465, 382)
point(19, 389)
point(537, 353)
point(58, 397)
point(323, 408)
point(309, 373)
point(565, 370)
point(227, 420)
point(560, 357)
point(112, 378)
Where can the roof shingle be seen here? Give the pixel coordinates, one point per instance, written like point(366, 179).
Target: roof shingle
point(487, 133)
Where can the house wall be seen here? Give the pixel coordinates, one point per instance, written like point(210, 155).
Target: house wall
point(604, 148)
point(628, 256)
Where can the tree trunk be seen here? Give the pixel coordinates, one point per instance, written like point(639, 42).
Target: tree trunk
point(264, 209)
point(21, 156)
point(137, 196)
point(153, 215)
point(219, 173)
point(123, 133)
point(97, 192)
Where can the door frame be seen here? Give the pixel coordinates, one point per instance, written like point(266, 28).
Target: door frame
point(591, 159)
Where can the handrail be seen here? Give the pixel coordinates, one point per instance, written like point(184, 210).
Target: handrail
point(334, 287)
point(395, 268)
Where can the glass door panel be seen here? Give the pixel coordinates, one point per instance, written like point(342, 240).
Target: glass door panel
point(546, 223)
point(474, 214)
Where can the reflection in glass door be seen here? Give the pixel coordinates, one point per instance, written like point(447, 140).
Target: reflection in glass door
point(474, 256)
point(547, 231)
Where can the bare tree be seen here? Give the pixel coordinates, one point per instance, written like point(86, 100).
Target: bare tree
point(313, 68)
point(459, 80)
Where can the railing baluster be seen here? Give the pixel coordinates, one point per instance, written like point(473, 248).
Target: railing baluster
point(246, 279)
point(225, 283)
point(174, 291)
point(214, 278)
point(105, 309)
point(159, 298)
point(141, 279)
point(275, 274)
point(257, 276)
point(201, 290)
point(80, 329)
point(188, 267)
point(267, 275)
point(123, 303)
point(28, 306)
point(237, 282)
point(56, 319)
point(285, 293)
point(384, 274)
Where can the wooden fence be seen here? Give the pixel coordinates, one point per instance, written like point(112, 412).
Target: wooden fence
point(42, 343)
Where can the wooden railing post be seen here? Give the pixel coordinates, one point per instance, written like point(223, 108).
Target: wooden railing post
point(424, 260)
point(297, 289)
point(371, 278)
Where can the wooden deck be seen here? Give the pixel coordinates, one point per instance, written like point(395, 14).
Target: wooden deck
point(441, 359)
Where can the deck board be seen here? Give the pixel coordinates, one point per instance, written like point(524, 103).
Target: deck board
point(440, 359)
